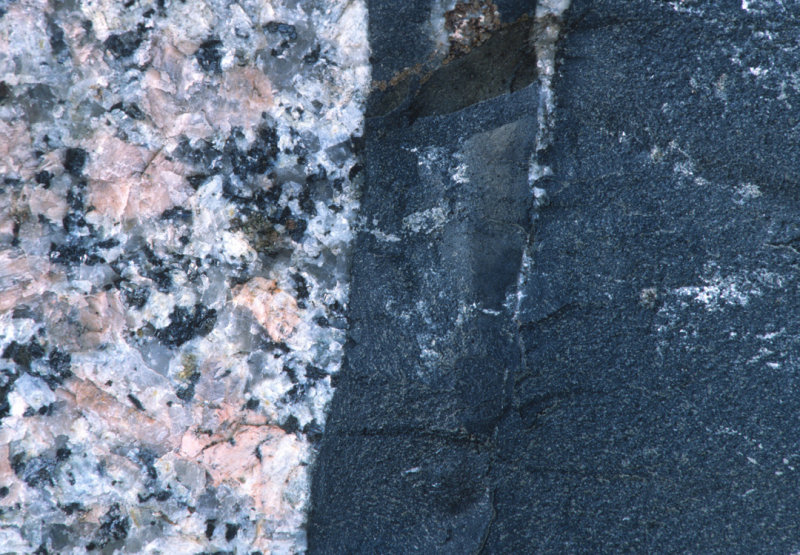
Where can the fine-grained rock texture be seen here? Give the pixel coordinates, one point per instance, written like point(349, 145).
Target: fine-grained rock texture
point(614, 370)
point(407, 459)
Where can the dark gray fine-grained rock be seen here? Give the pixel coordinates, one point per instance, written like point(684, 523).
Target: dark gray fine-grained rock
point(657, 406)
point(432, 341)
point(633, 385)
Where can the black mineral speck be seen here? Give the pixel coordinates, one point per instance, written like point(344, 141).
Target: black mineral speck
point(290, 425)
point(114, 526)
point(313, 56)
point(201, 154)
point(7, 378)
point(355, 170)
point(74, 160)
point(124, 44)
point(44, 178)
point(15, 234)
point(5, 92)
point(289, 371)
point(22, 312)
point(297, 392)
point(135, 296)
point(73, 252)
point(294, 225)
point(70, 508)
point(314, 373)
point(163, 495)
point(187, 324)
point(73, 221)
point(287, 31)
point(57, 43)
point(186, 391)
point(146, 459)
point(231, 530)
point(4, 491)
point(209, 55)
point(300, 285)
point(307, 203)
point(23, 353)
point(59, 364)
point(135, 402)
point(131, 110)
point(197, 179)
point(313, 431)
point(75, 195)
point(258, 158)
point(177, 214)
point(157, 269)
point(322, 321)
point(63, 453)
point(211, 525)
point(161, 277)
point(297, 229)
point(108, 243)
point(36, 471)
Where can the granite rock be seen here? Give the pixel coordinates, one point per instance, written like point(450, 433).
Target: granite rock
point(177, 199)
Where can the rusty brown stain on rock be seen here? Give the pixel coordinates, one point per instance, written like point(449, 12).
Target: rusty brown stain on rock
point(470, 24)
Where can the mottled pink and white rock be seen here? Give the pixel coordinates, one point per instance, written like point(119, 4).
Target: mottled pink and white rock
point(176, 211)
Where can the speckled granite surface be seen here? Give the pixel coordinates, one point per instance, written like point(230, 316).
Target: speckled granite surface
point(176, 206)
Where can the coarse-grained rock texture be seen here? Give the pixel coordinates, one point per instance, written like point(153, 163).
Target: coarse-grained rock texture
point(603, 358)
point(177, 198)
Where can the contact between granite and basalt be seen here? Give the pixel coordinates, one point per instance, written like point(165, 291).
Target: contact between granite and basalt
point(545, 257)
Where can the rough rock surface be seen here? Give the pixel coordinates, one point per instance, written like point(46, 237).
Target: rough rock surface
point(613, 370)
point(177, 200)
point(407, 457)
point(571, 320)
